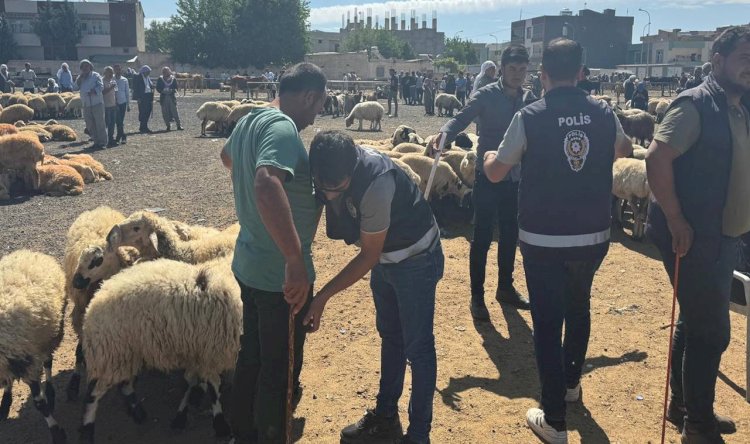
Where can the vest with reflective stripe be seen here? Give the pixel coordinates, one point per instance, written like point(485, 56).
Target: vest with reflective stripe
point(564, 196)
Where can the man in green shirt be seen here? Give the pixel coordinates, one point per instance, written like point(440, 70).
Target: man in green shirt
point(278, 216)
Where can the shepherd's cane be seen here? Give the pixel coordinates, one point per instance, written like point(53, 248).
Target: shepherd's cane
point(434, 166)
point(290, 379)
point(669, 359)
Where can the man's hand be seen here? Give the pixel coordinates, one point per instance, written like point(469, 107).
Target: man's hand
point(682, 235)
point(315, 313)
point(296, 284)
point(434, 145)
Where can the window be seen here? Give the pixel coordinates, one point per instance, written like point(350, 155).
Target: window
point(320, 41)
point(659, 56)
point(529, 30)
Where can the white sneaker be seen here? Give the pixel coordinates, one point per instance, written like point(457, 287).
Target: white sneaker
point(547, 433)
point(574, 394)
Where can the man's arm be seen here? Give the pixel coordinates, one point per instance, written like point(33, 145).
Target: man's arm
point(497, 164)
point(225, 159)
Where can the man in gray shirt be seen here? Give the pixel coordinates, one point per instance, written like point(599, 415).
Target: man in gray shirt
point(493, 106)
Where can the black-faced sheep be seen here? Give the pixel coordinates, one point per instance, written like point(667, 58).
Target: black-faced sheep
point(372, 111)
point(630, 185)
point(637, 124)
point(32, 306)
point(447, 102)
point(179, 316)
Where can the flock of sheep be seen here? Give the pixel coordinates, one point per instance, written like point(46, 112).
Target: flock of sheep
point(175, 282)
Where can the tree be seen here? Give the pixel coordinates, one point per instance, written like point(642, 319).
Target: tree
point(461, 50)
point(8, 45)
point(271, 37)
point(449, 63)
point(59, 28)
point(202, 32)
point(158, 37)
point(390, 46)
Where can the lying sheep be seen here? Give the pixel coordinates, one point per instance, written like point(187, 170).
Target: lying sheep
point(178, 316)
point(59, 180)
point(7, 128)
point(391, 154)
point(372, 111)
point(149, 232)
point(14, 113)
point(32, 307)
point(61, 133)
point(86, 159)
point(446, 181)
point(637, 124)
point(86, 173)
point(42, 134)
point(408, 148)
point(22, 152)
point(630, 184)
point(468, 168)
point(74, 107)
point(447, 102)
point(382, 144)
point(213, 111)
point(19, 124)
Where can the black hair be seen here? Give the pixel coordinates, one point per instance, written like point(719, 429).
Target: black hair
point(586, 71)
point(514, 54)
point(302, 77)
point(333, 156)
point(728, 40)
point(562, 59)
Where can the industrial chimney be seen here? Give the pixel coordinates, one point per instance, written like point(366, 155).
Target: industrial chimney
point(424, 21)
point(413, 22)
point(403, 20)
point(369, 18)
point(434, 20)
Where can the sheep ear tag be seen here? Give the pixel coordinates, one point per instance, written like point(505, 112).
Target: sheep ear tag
point(154, 241)
point(576, 148)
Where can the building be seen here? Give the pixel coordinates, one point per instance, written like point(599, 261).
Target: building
point(372, 66)
point(686, 48)
point(604, 36)
point(322, 41)
point(113, 28)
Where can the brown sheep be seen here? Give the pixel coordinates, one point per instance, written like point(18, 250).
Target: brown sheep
point(86, 172)
point(7, 128)
point(42, 134)
point(16, 112)
point(61, 133)
point(89, 161)
point(59, 180)
point(22, 152)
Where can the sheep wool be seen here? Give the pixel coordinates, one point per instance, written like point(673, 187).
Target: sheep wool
point(372, 111)
point(7, 128)
point(407, 169)
point(61, 133)
point(468, 168)
point(59, 180)
point(629, 179)
point(55, 103)
point(17, 112)
point(408, 148)
point(401, 134)
point(215, 112)
point(74, 107)
point(86, 159)
point(446, 181)
point(22, 152)
point(42, 134)
point(86, 173)
point(447, 102)
point(32, 306)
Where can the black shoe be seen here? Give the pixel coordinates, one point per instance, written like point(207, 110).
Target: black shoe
point(479, 310)
point(123, 141)
point(701, 437)
point(676, 415)
point(180, 128)
point(512, 297)
point(407, 440)
point(373, 428)
point(169, 127)
point(112, 144)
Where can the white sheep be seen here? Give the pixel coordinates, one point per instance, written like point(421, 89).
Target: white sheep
point(630, 185)
point(661, 109)
point(639, 152)
point(86, 159)
point(468, 168)
point(32, 307)
point(215, 112)
point(88, 175)
point(74, 107)
point(408, 148)
point(446, 181)
point(407, 169)
point(55, 104)
point(372, 111)
point(447, 102)
point(167, 316)
point(150, 232)
point(14, 113)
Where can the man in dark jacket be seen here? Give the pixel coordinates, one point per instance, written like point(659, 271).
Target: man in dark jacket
point(493, 106)
point(143, 92)
point(393, 93)
point(698, 168)
point(696, 79)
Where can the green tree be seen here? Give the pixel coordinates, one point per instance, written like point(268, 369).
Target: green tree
point(448, 63)
point(8, 45)
point(269, 36)
point(158, 37)
point(461, 50)
point(388, 44)
point(59, 29)
point(203, 32)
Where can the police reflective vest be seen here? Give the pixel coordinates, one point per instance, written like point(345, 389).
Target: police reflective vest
point(565, 193)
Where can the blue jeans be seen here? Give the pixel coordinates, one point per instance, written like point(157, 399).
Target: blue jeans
point(404, 296)
point(559, 291)
point(702, 331)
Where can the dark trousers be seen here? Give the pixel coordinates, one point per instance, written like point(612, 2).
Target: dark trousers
point(429, 102)
point(121, 110)
point(559, 291)
point(702, 331)
point(64, 89)
point(110, 119)
point(258, 396)
point(145, 108)
point(493, 200)
point(461, 96)
point(404, 296)
point(419, 96)
point(392, 97)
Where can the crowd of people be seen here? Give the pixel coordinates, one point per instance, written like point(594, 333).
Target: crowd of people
point(281, 192)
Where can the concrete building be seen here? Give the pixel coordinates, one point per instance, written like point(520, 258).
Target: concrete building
point(367, 67)
point(113, 28)
point(686, 48)
point(604, 36)
point(322, 41)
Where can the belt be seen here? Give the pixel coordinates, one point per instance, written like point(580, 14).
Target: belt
point(552, 241)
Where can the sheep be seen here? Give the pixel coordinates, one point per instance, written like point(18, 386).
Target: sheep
point(372, 111)
point(408, 148)
point(446, 181)
point(661, 109)
point(407, 169)
point(637, 124)
point(18, 99)
point(214, 111)
point(55, 103)
point(150, 232)
point(61, 133)
point(5, 99)
point(468, 168)
point(22, 152)
point(382, 144)
point(42, 134)
point(19, 124)
point(38, 105)
point(639, 152)
point(32, 307)
point(88, 175)
point(630, 185)
point(338, 105)
point(454, 159)
point(241, 111)
point(391, 154)
point(402, 134)
point(231, 103)
point(603, 98)
point(449, 102)
point(178, 316)
point(7, 128)
point(59, 180)
point(14, 113)
point(74, 107)
point(86, 159)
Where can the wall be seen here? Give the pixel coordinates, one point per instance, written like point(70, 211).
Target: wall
point(321, 41)
point(334, 65)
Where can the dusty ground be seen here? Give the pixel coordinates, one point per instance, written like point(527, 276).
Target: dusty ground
point(486, 378)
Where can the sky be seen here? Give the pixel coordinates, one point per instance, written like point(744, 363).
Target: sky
point(477, 19)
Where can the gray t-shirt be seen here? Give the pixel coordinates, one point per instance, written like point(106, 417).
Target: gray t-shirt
point(375, 207)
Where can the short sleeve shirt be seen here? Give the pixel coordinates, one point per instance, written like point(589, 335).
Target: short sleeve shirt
point(267, 137)
point(681, 129)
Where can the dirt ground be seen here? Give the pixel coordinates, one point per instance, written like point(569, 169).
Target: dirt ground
point(486, 372)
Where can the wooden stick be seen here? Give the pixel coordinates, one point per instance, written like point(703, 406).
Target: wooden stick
point(669, 359)
point(439, 151)
point(290, 379)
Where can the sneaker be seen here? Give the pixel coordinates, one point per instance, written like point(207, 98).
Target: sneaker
point(169, 127)
point(373, 428)
point(512, 297)
point(701, 437)
point(573, 394)
point(180, 128)
point(676, 415)
point(479, 310)
point(547, 433)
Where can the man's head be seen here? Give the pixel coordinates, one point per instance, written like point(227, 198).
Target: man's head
point(166, 72)
point(460, 74)
point(108, 72)
point(333, 157)
point(86, 67)
point(64, 67)
point(561, 62)
point(302, 92)
point(731, 59)
point(514, 62)
point(392, 71)
point(118, 69)
point(698, 72)
point(27, 65)
point(3, 67)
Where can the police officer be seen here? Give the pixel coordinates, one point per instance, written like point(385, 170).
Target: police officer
point(566, 144)
point(372, 202)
